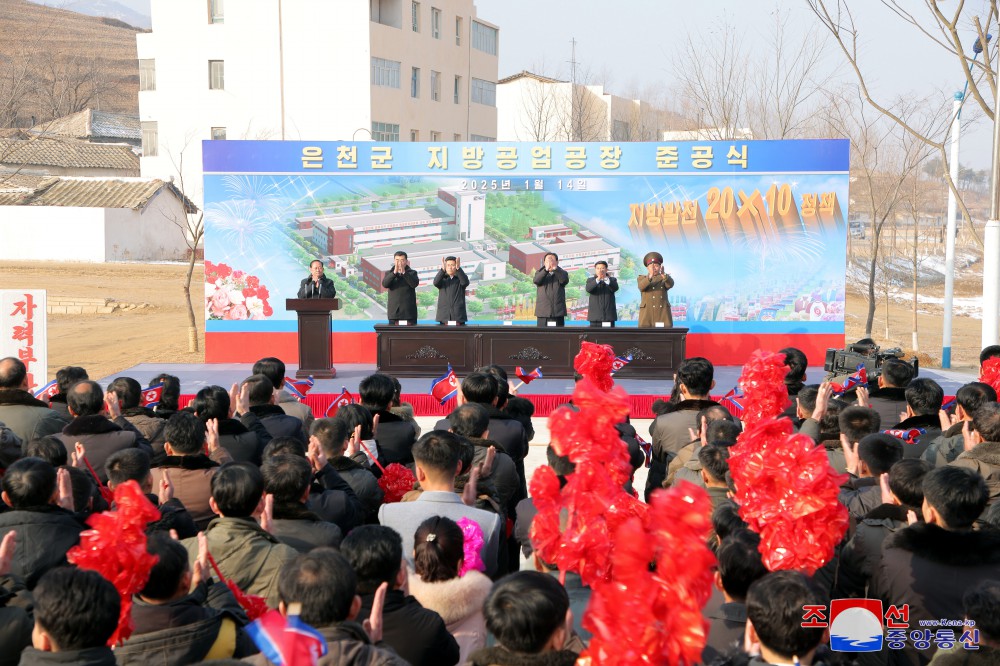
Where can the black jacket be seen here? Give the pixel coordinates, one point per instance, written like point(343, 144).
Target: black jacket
point(44, 535)
point(101, 437)
point(173, 516)
point(451, 296)
point(602, 299)
point(417, 634)
point(860, 557)
point(499, 656)
point(278, 423)
point(302, 529)
point(930, 568)
point(860, 495)
point(395, 436)
point(246, 438)
point(551, 298)
point(889, 402)
point(99, 656)
point(929, 423)
point(402, 303)
point(15, 623)
point(334, 501)
point(307, 288)
point(364, 484)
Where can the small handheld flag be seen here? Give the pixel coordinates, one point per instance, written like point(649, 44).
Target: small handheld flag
point(299, 387)
point(909, 435)
point(287, 641)
point(948, 402)
point(445, 387)
point(528, 377)
point(647, 450)
point(733, 401)
point(152, 395)
point(859, 378)
point(620, 362)
point(46, 392)
point(345, 398)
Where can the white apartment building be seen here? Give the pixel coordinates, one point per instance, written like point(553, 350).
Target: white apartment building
point(531, 107)
point(312, 70)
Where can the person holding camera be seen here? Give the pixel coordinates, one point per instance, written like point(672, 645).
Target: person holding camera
point(551, 280)
point(601, 307)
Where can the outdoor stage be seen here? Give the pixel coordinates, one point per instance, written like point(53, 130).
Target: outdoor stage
point(546, 394)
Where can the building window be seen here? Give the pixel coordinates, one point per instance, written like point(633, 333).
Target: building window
point(218, 134)
point(435, 136)
point(484, 38)
point(414, 135)
point(458, 31)
point(216, 74)
point(385, 73)
point(480, 138)
point(147, 74)
point(415, 16)
point(216, 11)
point(415, 82)
point(435, 86)
point(458, 89)
point(457, 137)
point(150, 139)
point(435, 23)
point(484, 92)
point(384, 131)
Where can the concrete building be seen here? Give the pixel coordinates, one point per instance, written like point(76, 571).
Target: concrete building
point(427, 261)
point(531, 107)
point(92, 219)
point(574, 252)
point(316, 70)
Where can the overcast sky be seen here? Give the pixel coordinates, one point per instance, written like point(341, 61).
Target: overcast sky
point(636, 42)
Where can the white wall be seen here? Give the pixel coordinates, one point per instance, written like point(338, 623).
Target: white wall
point(146, 235)
point(52, 233)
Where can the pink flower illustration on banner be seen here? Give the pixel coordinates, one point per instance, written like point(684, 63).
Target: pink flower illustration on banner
point(234, 295)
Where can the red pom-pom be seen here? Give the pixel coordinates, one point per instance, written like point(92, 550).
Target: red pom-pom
point(990, 373)
point(788, 493)
point(115, 547)
point(396, 481)
point(594, 362)
point(763, 382)
point(254, 606)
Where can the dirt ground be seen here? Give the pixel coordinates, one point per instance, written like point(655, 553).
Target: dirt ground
point(108, 343)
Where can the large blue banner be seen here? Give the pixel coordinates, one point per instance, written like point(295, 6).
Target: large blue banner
point(752, 232)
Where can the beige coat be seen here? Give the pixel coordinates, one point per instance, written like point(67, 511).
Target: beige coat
point(655, 306)
point(459, 602)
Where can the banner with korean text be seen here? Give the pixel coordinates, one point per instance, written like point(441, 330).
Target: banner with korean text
point(754, 234)
point(23, 332)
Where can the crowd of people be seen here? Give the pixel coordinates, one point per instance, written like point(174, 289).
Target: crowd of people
point(256, 493)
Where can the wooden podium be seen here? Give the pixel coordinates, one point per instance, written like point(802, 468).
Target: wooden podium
point(315, 343)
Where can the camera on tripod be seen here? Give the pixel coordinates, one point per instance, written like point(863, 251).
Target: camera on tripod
point(845, 362)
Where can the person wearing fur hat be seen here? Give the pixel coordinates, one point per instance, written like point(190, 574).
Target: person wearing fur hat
point(654, 306)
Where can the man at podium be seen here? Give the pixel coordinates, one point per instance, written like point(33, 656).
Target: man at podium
point(317, 285)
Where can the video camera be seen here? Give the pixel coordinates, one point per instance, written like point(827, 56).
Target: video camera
point(845, 362)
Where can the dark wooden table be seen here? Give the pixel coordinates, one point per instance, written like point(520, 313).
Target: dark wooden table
point(425, 351)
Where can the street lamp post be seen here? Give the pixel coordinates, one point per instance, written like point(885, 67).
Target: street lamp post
point(949, 252)
point(991, 240)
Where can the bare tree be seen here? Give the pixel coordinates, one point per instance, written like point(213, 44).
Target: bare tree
point(71, 82)
point(941, 31)
point(192, 228)
point(541, 109)
point(16, 85)
point(732, 87)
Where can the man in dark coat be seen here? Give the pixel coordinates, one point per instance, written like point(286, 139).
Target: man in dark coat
point(451, 282)
point(274, 418)
point(287, 478)
point(65, 378)
point(28, 417)
point(317, 285)
point(416, 633)
point(98, 424)
point(401, 281)
point(984, 456)
point(129, 393)
point(873, 456)
point(929, 565)
point(922, 424)
point(601, 306)
point(950, 443)
point(740, 564)
point(889, 398)
point(395, 435)
point(550, 303)
point(45, 530)
point(332, 436)
point(244, 438)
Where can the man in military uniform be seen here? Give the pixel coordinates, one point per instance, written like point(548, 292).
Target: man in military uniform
point(655, 306)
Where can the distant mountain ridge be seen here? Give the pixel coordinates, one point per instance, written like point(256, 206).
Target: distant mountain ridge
point(133, 12)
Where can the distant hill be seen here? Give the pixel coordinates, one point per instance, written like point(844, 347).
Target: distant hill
point(54, 62)
point(133, 12)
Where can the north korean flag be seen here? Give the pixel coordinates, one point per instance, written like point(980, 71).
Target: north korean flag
point(299, 387)
point(445, 387)
point(151, 395)
point(345, 398)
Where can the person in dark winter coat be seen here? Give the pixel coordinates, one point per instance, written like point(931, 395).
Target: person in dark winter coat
point(601, 304)
point(274, 369)
point(889, 398)
point(984, 456)
point(45, 531)
point(28, 417)
point(670, 431)
point(317, 285)
point(65, 378)
point(287, 478)
point(275, 420)
point(528, 614)
point(15, 602)
point(335, 438)
point(550, 302)
point(472, 421)
point(324, 584)
point(244, 438)
point(860, 556)
point(451, 282)
point(181, 616)
point(76, 612)
point(982, 606)
point(133, 465)
point(417, 634)
point(922, 424)
point(129, 393)
point(929, 565)
point(395, 435)
point(950, 443)
point(99, 425)
point(873, 456)
point(401, 281)
point(740, 564)
point(774, 617)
